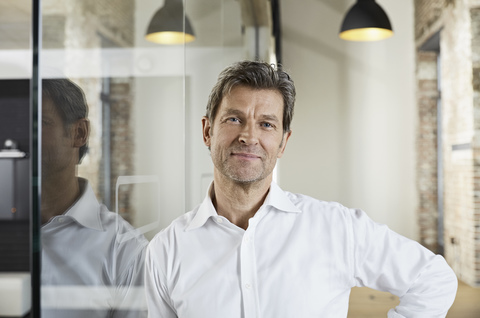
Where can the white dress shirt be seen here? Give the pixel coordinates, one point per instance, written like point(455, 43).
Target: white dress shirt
point(89, 267)
point(299, 257)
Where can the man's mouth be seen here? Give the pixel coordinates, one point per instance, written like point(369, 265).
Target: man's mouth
point(246, 155)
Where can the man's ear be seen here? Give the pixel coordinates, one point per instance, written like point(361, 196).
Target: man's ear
point(207, 129)
point(286, 136)
point(81, 132)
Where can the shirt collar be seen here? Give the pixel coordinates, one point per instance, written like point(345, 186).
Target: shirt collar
point(279, 199)
point(204, 211)
point(276, 198)
point(86, 210)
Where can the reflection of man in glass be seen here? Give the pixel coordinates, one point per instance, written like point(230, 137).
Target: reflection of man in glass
point(253, 250)
point(87, 271)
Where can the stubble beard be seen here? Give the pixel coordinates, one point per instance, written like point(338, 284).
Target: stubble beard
point(241, 173)
point(237, 172)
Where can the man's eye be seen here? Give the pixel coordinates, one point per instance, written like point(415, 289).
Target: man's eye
point(233, 120)
point(267, 125)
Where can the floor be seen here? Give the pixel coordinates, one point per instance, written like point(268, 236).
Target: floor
point(369, 303)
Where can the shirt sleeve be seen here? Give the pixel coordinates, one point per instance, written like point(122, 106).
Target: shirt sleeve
point(158, 299)
point(387, 261)
point(129, 292)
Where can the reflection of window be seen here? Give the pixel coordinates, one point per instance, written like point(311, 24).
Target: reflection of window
point(145, 215)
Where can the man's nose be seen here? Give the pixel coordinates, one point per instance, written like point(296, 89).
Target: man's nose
point(249, 134)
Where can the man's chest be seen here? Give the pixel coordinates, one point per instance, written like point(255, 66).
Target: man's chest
point(263, 274)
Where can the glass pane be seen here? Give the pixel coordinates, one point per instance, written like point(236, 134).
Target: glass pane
point(15, 157)
point(145, 164)
point(99, 210)
point(219, 43)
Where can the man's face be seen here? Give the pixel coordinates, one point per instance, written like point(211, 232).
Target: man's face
point(247, 137)
point(58, 152)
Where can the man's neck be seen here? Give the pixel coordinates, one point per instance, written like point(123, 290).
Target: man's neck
point(239, 202)
point(58, 194)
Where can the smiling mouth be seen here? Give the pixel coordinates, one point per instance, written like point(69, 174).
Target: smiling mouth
point(246, 155)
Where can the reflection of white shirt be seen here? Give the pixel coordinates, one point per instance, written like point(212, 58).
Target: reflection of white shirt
point(299, 257)
point(87, 270)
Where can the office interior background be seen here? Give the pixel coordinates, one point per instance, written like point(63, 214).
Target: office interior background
point(390, 127)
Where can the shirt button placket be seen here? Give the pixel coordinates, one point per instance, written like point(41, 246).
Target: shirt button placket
point(248, 274)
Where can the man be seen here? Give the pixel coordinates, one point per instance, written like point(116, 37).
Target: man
point(253, 250)
point(87, 270)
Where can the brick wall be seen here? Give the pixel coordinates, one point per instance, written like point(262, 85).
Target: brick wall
point(428, 14)
point(475, 216)
point(427, 148)
point(122, 141)
point(459, 22)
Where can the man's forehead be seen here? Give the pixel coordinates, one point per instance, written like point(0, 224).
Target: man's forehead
point(234, 111)
point(239, 92)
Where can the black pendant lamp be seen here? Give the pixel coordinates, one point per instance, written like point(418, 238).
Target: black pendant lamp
point(366, 21)
point(167, 25)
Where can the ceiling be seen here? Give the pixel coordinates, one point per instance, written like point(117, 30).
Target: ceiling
point(15, 17)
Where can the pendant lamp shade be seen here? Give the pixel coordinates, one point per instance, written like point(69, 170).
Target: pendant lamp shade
point(167, 25)
point(366, 21)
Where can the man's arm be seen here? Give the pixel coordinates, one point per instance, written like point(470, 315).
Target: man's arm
point(133, 305)
point(387, 261)
point(129, 289)
point(158, 299)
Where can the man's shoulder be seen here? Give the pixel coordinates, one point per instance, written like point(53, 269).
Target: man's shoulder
point(315, 210)
point(175, 228)
point(306, 203)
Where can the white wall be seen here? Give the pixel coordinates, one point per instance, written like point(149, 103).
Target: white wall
point(354, 123)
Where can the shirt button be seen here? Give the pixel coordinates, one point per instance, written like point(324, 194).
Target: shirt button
point(219, 220)
point(60, 220)
point(248, 286)
point(247, 239)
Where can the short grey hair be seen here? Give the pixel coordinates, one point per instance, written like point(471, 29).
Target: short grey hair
point(257, 75)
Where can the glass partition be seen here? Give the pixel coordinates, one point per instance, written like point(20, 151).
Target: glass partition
point(106, 88)
point(15, 157)
point(145, 163)
point(218, 44)
point(100, 140)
